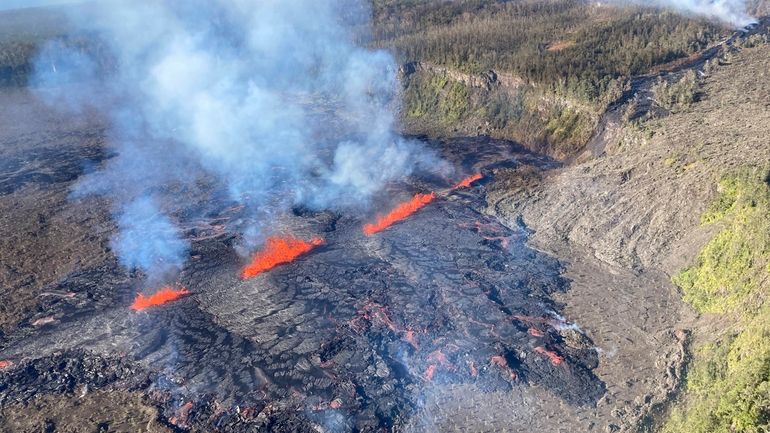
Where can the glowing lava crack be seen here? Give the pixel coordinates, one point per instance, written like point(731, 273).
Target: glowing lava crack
point(162, 296)
point(278, 251)
point(401, 212)
point(465, 183)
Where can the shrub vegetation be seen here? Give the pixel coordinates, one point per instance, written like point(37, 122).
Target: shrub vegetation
point(727, 388)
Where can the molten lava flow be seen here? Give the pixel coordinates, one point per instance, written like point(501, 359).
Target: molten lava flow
point(162, 296)
point(278, 251)
point(553, 356)
point(465, 183)
point(400, 212)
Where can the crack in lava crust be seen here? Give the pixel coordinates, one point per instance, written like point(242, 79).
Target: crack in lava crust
point(349, 337)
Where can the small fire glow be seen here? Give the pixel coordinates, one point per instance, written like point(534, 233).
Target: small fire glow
point(401, 212)
point(465, 183)
point(278, 251)
point(5, 364)
point(162, 296)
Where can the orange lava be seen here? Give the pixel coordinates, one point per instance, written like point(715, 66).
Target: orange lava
point(162, 296)
point(401, 212)
point(278, 251)
point(5, 364)
point(465, 183)
point(553, 356)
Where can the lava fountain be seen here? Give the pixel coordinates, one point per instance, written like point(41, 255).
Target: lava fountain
point(465, 183)
point(162, 296)
point(401, 212)
point(278, 251)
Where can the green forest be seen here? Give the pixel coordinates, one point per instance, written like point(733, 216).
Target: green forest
point(573, 58)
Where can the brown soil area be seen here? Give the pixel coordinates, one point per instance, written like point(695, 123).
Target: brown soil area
point(87, 412)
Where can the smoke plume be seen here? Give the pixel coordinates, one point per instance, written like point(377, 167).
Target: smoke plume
point(732, 12)
point(271, 101)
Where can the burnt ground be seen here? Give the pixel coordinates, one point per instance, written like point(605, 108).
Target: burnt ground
point(362, 334)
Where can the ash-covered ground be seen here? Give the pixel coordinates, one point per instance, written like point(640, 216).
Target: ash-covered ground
point(357, 335)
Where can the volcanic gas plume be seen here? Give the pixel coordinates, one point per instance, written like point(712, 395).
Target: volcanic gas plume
point(401, 211)
point(278, 251)
point(465, 183)
point(248, 121)
point(733, 12)
point(162, 296)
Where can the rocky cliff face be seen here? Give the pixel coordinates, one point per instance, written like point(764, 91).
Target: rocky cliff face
point(445, 102)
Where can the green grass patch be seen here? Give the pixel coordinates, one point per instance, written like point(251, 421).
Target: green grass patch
point(568, 127)
point(728, 385)
point(727, 388)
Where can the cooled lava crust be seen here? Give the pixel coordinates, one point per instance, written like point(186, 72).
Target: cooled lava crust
point(348, 337)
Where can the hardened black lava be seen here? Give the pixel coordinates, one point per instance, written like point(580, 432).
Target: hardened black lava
point(346, 338)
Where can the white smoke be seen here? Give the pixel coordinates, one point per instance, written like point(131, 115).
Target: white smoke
point(732, 12)
point(21, 4)
point(232, 90)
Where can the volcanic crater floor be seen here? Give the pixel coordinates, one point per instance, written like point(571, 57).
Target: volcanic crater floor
point(420, 327)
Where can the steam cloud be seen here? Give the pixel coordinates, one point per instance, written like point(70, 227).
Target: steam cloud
point(271, 99)
point(731, 12)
